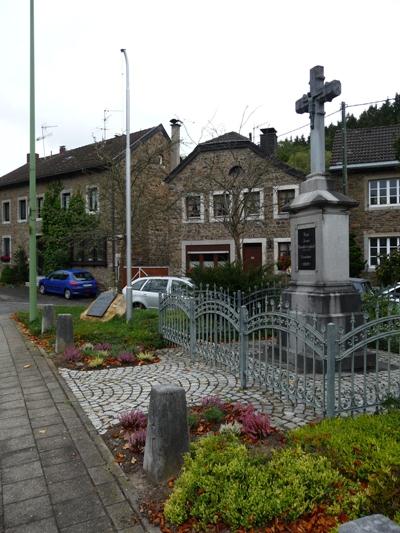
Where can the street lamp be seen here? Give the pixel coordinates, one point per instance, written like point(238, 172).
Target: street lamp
point(128, 198)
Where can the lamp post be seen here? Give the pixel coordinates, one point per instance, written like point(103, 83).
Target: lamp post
point(32, 177)
point(128, 198)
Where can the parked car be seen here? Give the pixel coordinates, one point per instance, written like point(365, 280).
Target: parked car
point(69, 282)
point(363, 286)
point(145, 291)
point(392, 293)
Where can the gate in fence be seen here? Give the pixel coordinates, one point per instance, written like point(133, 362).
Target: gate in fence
point(283, 352)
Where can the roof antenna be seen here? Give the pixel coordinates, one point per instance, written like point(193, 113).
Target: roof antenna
point(44, 129)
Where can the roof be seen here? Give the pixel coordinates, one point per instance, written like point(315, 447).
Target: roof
point(79, 159)
point(232, 141)
point(366, 146)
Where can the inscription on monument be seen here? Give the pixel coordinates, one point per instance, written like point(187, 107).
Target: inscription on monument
point(306, 248)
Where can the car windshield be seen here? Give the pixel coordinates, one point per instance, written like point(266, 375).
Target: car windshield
point(83, 276)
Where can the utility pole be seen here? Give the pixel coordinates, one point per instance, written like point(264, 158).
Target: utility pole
point(33, 312)
point(128, 199)
point(344, 133)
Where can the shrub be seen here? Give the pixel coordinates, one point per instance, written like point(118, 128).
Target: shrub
point(103, 347)
point(213, 401)
point(193, 420)
point(8, 275)
point(222, 481)
point(145, 356)
point(356, 257)
point(137, 440)
point(214, 415)
point(72, 354)
point(256, 425)
point(21, 266)
point(232, 427)
point(133, 420)
point(242, 410)
point(388, 270)
point(126, 357)
point(95, 362)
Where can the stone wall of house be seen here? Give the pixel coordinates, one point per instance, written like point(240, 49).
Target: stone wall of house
point(205, 174)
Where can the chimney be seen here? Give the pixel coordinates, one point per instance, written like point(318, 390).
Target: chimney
point(28, 157)
point(268, 141)
point(175, 143)
point(62, 149)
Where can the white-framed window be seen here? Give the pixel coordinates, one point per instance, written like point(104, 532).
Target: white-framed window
point(6, 211)
point(253, 204)
point(6, 248)
point(220, 205)
point(282, 195)
point(65, 199)
point(193, 208)
point(384, 192)
point(22, 209)
point(92, 199)
point(381, 246)
point(282, 258)
point(39, 206)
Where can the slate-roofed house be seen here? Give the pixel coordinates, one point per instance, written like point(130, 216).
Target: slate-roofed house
point(89, 170)
point(374, 181)
point(230, 197)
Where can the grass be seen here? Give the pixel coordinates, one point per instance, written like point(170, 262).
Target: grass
point(143, 330)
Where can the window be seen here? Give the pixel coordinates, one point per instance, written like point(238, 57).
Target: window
point(90, 252)
point(220, 205)
point(193, 208)
point(92, 199)
point(39, 207)
point(65, 199)
point(22, 210)
point(381, 246)
point(138, 284)
point(6, 249)
point(281, 196)
point(156, 285)
point(206, 259)
point(6, 212)
point(384, 192)
point(252, 204)
point(283, 262)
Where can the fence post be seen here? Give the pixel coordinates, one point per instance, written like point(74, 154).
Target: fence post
point(192, 327)
point(331, 334)
point(160, 314)
point(243, 346)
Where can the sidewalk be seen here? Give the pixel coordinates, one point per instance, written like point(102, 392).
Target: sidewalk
point(56, 473)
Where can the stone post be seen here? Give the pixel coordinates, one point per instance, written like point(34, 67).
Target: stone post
point(48, 317)
point(375, 523)
point(64, 332)
point(167, 436)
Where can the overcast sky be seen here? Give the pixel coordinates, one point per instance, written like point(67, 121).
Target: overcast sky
point(218, 65)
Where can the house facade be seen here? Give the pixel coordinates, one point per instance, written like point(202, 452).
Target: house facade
point(97, 171)
point(373, 169)
point(230, 194)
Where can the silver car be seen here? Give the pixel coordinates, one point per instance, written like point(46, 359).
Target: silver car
point(145, 291)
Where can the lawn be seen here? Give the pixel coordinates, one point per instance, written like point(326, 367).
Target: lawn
point(143, 331)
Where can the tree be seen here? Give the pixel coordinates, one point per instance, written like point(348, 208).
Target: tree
point(356, 258)
point(388, 270)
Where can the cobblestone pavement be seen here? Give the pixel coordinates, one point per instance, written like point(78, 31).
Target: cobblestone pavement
point(103, 394)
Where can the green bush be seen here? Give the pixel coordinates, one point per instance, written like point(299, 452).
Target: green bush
point(232, 276)
point(213, 414)
point(388, 270)
point(356, 257)
point(21, 266)
point(8, 275)
point(223, 480)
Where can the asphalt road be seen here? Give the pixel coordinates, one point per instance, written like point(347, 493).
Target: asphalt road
point(17, 299)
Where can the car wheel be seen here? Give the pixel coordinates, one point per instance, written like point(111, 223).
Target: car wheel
point(67, 294)
point(138, 305)
point(42, 289)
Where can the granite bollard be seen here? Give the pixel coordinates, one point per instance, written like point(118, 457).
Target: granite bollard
point(48, 317)
point(64, 332)
point(167, 436)
point(376, 523)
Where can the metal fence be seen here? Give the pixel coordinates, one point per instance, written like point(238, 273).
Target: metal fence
point(283, 352)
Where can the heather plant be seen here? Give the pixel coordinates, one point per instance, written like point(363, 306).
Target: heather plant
point(72, 354)
point(103, 347)
point(96, 362)
point(87, 348)
point(137, 440)
point(126, 357)
point(147, 357)
point(242, 410)
point(233, 428)
point(193, 420)
point(213, 401)
point(133, 420)
point(214, 415)
point(256, 425)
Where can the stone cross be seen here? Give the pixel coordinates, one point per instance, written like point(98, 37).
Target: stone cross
point(313, 103)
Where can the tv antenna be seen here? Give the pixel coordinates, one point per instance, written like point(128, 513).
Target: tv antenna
point(44, 128)
point(106, 115)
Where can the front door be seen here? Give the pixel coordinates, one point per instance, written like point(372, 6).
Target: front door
point(252, 255)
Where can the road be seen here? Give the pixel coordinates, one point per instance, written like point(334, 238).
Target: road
point(17, 299)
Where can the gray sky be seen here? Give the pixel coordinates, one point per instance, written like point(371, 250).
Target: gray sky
point(213, 64)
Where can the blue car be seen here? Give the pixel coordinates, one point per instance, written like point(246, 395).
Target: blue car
point(68, 283)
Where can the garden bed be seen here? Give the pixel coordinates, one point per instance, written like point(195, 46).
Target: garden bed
point(243, 475)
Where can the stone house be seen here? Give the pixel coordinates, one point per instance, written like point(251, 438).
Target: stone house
point(98, 172)
point(373, 169)
point(230, 195)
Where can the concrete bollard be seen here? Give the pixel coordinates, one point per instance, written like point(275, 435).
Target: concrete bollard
point(375, 523)
point(64, 332)
point(48, 317)
point(167, 436)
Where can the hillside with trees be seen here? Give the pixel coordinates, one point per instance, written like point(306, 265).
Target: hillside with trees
point(296, 151)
